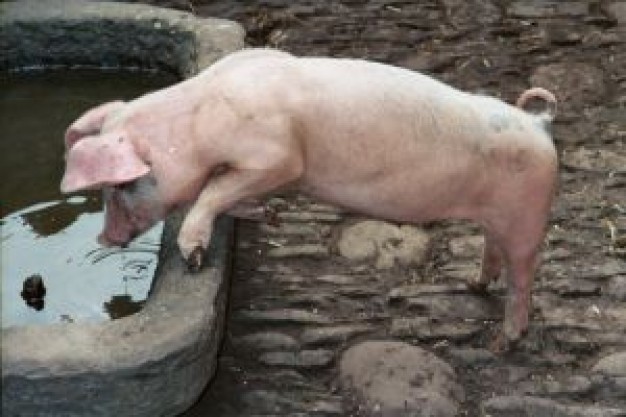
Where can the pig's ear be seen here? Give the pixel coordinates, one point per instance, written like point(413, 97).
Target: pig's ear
point(90, 122)
point(102, 160)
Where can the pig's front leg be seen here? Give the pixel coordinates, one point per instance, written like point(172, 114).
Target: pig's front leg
point(224, 192)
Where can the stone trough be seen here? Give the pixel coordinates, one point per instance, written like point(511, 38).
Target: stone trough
point(157, 361)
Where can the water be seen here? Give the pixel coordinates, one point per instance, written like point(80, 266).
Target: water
point(44, 232)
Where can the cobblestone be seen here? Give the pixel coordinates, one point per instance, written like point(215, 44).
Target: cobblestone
point(422, 328)
point(306, 359)
point(267, 341)
point(333, 335)
point(295, 251)
point(535, 406)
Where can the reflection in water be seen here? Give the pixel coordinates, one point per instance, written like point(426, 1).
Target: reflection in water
point(46, 219)
point(80, 276)
point(121, 306)
point(51, 238)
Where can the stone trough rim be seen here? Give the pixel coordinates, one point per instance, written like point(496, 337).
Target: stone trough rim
point(180, 306)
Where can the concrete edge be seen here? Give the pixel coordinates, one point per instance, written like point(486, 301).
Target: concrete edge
point(158, 361)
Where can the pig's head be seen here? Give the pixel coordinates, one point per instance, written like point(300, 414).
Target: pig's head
point(131, 195)
point(131, 208)
point(109, 161)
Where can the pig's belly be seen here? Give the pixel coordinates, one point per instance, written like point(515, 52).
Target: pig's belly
point(402, 198)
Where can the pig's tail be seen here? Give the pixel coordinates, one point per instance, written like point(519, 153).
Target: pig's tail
point(549, 113)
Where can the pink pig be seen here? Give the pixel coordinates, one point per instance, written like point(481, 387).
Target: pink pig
point(372, 138)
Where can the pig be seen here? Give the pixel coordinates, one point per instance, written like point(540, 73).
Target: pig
point(372, 138)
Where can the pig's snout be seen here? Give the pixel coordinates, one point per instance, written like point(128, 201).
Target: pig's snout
point(115, 239)
point(118, 227)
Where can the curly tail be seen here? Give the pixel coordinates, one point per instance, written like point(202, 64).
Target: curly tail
point(549, 113)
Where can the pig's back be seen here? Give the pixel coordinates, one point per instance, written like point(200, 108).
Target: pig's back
point(384, 134)
point(371, 132)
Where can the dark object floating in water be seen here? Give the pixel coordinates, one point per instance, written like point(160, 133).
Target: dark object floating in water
point(34, 291)
point(122, 306)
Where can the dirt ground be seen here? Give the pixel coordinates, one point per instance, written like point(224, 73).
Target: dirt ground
point(296, 304)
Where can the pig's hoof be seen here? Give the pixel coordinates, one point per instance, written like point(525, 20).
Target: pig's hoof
point(194, 261)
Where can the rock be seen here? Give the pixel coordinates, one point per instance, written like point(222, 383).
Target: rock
point(557, 254)
point(392, 379)
point(567, 287)
point(507, 374)
point(615, 338)
point(417, 290)
point(613, 365)
point(571, 385)
point(565, 35)
point(575, 84)
point(384, 243)
point(332, 335)
point(616, 288)
point(574, 341)
point(358, 292)
point(467, 246)
point(285, 315)
point(426, 61)
point(306, 250)
point(295, 229)
point(463, 13)
point(555, 317)
point(542, 8)
point(597, 160)
point(458, 306)
point(555, 359)
point(259, 402)
point(266, 341)
point(527, 406)
point(422, 328)
point(322, 300)
point(326, 408)
point(267, 402)
point(339, 279)
point(618, 11)
point(472, 357)
point(606, 269)
point(464, 270)
point(308, 216)
point(304, 359)
point(324, 208)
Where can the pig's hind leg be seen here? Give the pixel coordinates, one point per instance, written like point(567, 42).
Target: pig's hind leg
point(521, 239)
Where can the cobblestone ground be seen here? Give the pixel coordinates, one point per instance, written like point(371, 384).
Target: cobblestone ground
point(297, 304)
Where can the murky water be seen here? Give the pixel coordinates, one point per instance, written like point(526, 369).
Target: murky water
point(51, 235)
